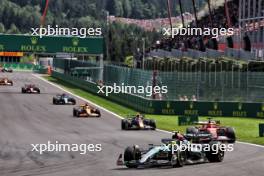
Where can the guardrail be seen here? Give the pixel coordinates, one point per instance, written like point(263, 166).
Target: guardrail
point(217, 109)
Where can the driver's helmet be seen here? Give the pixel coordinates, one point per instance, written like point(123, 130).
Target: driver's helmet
point(138, 116)
point(87, 105)
point(178, 135)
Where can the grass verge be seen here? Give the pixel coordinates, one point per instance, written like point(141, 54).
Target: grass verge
point(246, 128)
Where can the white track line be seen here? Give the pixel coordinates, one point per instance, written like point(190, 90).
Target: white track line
point(116, 115)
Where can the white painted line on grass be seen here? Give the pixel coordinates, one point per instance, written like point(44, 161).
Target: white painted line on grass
point(116, 115)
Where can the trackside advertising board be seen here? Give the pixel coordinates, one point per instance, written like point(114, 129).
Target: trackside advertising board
point(35, 44)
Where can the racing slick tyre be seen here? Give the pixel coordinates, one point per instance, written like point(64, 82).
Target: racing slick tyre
point(192, 130)
point(123, 124)
point(23, 90)
point(152, 123)
point(75, 113)
point(55, 102)
point(179, 159)
point(215, 155)
point(130, 154)
point(97, 111)
point(230, 133)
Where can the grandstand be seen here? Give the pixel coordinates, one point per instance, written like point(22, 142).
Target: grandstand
point(246, 43)
point(227, 69)
point(251, 25)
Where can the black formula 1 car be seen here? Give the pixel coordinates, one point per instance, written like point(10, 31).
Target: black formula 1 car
point(211, 130)
point(62, 99)
point(86, 110)
point(167, 155)
point(6, 82)
point(137, 122)
point(8, 70)
point(30, 88)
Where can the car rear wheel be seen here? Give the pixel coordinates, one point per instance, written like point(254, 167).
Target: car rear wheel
point(54, 101)
point(153, 124)
point(123, 124)
point(230, 133)
point(215, 155)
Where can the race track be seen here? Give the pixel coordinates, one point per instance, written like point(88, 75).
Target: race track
point(31, 119)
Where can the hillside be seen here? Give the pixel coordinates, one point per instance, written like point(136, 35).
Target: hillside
point(19, 16)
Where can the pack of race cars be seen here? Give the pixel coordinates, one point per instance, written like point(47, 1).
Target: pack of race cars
point(207, 134)
point(83, 110)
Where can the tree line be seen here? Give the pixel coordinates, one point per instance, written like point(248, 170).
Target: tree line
point(18, 16)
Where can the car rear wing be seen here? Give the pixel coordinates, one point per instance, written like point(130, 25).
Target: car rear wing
point(119, 161)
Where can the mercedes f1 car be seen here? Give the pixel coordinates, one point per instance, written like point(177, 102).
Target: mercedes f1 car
point(8, 70)
point(86, 110)
point(62, 99)
point(138, 122)
point(166, 155)
point(30, 88)
point(211, 130)
point(6, 82)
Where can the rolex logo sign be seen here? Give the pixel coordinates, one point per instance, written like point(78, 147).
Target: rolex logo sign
point(215, 106)
point(34, 40)
point(240, 106)
point(168, 105)
point(75, 41)
point(191, 105)
point(32, 45)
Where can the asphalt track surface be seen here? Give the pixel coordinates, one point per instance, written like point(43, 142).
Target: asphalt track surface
point(30, 119)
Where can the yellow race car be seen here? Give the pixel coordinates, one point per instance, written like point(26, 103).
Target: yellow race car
point(6, 82)
point(86, 110)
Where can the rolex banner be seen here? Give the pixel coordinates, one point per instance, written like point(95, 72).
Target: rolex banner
point(34, 44)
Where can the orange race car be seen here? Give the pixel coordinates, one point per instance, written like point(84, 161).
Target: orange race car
point(6, 82)
point(86, 110)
